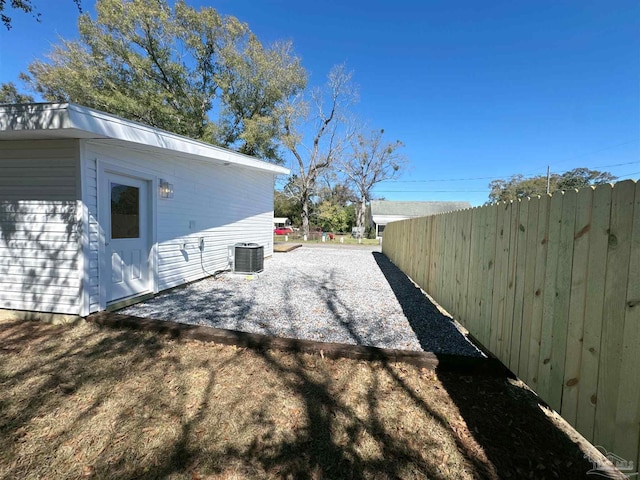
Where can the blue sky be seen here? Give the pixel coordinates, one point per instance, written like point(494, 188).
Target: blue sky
point(475, 90)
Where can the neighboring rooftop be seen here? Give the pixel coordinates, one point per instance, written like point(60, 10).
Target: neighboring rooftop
point(414, 209)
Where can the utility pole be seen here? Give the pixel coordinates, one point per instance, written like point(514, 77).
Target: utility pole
point(548, 178)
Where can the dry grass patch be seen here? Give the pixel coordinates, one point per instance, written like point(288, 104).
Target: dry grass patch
point(81, 402)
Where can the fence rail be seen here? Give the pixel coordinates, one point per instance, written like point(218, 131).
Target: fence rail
point(551, 286)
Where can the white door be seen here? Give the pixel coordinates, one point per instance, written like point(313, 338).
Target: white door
point(127, 237)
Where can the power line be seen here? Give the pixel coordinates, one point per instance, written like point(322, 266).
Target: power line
point(618, 164)
point(465, 191)
point(433, 180)
point(628, 142)
point(442, 180)
point(430, 191)
point(540, 172)
point(606, 166)
point(477, 191)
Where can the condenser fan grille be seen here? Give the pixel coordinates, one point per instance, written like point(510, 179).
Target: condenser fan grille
point(248, 258)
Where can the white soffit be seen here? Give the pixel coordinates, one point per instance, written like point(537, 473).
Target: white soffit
point(384, 219)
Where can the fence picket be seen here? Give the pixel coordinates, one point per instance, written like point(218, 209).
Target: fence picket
point(452, 256)
point(440, 255)
point(482, 269)
point(542, 244)
point(457, 257)
point(618, 257)
point(471, 305)
point(528, 288)
point(509, 302)
point(522, 226)
point(424, 258)
point(550, 295)
point(489, 272)
point(562, 298)
point(465, 263)
point(437, 231)
point(627, 424)
point(577, 301)
point(592, 330)
point(452, 271)
point(429, 250)
point(497, 281)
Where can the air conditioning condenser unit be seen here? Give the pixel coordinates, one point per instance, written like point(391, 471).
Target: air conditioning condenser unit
point(248, 258)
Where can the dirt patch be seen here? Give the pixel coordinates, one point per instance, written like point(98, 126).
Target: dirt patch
point(81, 402)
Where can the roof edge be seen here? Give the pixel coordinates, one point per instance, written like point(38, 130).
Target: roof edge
point(65, 116)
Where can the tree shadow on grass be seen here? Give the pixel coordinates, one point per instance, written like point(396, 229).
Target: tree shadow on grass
point(328, 446)
point(127, 404)
point(130, 393)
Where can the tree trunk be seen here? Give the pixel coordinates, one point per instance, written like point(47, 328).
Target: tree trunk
point(305, 214)
point(360, 219)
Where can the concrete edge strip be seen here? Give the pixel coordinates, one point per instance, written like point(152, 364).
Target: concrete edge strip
point(256, 341)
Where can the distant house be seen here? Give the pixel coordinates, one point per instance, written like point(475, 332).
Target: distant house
point(97, 211)
point(281, 222)
point(383, 212)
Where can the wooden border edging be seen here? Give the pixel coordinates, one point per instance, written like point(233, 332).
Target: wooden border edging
point(256, 341)
point(285, 247)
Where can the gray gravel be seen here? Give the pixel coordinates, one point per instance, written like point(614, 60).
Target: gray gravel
point(345, 295)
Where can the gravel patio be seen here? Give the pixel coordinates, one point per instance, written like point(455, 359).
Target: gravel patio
point(322, 293)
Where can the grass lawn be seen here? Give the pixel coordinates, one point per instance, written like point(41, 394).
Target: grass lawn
point(82, 402)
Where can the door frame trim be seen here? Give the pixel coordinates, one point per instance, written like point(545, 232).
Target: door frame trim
point(103, 169)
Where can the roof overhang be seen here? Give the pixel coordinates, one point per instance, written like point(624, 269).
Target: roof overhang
point(40, 121)
point(384, 219)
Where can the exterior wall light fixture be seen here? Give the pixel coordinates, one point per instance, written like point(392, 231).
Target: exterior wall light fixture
point(166, 189)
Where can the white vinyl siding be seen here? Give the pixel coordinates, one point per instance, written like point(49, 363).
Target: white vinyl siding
point(222, 204)
point(90, 192)
point(39, 234)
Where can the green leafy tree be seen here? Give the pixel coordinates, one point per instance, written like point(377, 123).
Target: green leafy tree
point(335, 211)
point(517, 186)
point(350, 218)
point(172, 67)
point(582, 177)
point(335, 218)
point(25, 6)
point(315, 131)
point(371, 161)
point(9, 94)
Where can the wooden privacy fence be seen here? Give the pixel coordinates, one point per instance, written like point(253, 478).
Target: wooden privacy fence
point(551, 286)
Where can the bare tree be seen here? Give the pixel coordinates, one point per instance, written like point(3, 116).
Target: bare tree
point(371, 162)
point(323, 116)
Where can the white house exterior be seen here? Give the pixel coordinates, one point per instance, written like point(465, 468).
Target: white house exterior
point(84, 222)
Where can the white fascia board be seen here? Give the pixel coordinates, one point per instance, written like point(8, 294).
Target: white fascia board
point(384, 219)
point(69, 116)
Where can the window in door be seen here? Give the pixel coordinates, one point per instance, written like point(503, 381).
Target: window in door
point(125, 211)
